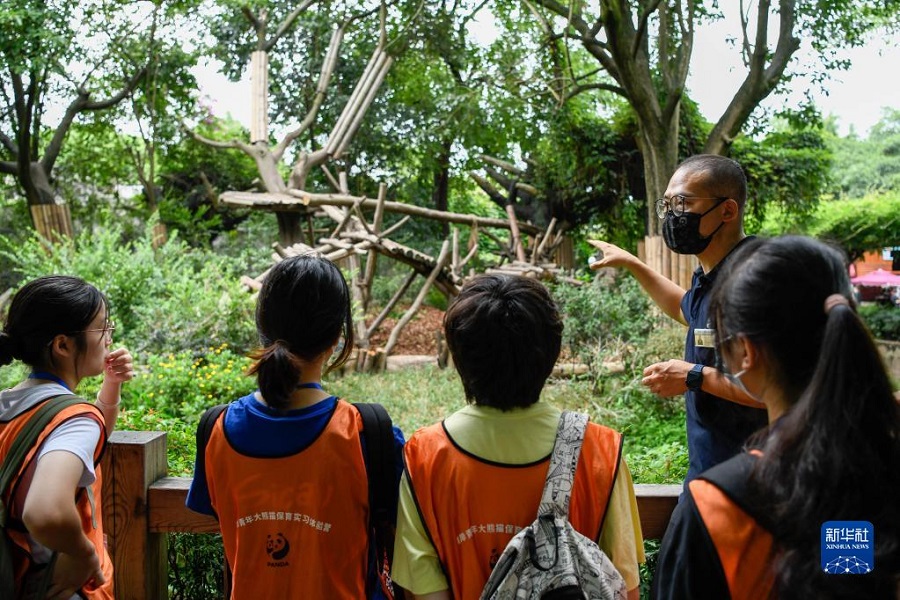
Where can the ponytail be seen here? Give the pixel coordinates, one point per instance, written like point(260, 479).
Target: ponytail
point(834, 454)
point(834, 457)
point(278, 372)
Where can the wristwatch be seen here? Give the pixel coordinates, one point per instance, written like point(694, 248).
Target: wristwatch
point(695, 378)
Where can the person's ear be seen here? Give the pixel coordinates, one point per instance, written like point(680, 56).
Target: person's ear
point(62, 345)
point(730, 210)
point(752, 354)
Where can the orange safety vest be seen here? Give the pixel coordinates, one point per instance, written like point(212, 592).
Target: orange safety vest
point(294, 526)
point(743, 546)
point(472, 508)
point(91, 516)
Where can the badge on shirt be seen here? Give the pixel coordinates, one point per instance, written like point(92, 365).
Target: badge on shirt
point(705, 338)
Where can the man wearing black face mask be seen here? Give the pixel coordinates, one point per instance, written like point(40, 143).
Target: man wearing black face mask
point(703, 215)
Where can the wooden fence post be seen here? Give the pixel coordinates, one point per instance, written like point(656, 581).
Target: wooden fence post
point(133, 461)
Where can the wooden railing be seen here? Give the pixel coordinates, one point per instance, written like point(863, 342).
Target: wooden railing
point(141, 504)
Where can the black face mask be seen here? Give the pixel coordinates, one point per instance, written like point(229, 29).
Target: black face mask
point(682, 233)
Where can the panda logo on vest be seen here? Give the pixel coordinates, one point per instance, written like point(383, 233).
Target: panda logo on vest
point(277, 547)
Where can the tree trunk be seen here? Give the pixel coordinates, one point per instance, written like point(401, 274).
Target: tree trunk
point(49, 212)
point(441, 189)
point(659, 152)
point(289, 232)
point(289, 223)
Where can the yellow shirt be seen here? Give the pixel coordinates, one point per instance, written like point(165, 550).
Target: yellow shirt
point(520, 436)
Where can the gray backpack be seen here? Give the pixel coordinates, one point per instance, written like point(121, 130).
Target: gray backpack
point(549, 559)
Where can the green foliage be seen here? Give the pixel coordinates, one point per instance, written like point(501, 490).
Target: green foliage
point(883, 321)
point(869, 166)
point(195, 566)
point(163, 299)
point(604, 313)
point(584, 167)
point(787, 171)
point(859, 226)
point(172, 390)
point(193, 174)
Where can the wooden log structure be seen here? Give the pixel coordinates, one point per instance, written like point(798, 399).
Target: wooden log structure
point(141, 505)
point(297, 200)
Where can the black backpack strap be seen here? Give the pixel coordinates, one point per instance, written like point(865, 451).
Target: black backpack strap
point(378, 434)
point(204, 430)
point(733, 478)
point(12, 464)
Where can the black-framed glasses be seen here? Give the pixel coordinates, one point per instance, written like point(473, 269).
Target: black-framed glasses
point(675, 204)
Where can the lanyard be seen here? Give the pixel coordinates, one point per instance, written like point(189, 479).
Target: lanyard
point(49, 377)
point(309, 386)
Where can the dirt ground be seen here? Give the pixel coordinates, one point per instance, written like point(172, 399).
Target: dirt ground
point(418, 337)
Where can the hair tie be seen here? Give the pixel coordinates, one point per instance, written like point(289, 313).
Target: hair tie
point(835, 300)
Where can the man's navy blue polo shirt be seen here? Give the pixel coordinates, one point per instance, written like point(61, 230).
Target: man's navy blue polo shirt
point(716, 428)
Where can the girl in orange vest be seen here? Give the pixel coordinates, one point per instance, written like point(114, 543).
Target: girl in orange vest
point(475, 480)
point(284, 468)
point(59, 326)
point(756, 525)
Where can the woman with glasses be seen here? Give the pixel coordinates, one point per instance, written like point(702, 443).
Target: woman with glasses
point(59, 326)
point(774, 520)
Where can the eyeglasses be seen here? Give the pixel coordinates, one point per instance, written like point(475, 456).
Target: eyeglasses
point(675, 204)
point(106, 329)
point(720, 364)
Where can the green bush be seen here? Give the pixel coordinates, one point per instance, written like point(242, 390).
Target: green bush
point(601, 313)
point(167, 299)
point(883, 321)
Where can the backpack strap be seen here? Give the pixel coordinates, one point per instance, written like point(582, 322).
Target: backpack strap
point(204, 430)
point(12, 464)
point(378, 434)
point(563, 462)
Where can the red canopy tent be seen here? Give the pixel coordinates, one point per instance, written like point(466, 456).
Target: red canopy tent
point(876, 278)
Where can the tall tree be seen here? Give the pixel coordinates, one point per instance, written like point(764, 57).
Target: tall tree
point(79, 54)
point(271, 26)
point(643, 49)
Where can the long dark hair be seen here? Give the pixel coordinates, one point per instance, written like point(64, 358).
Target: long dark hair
point(302, 310)
point(835, 454)
point(42, 309)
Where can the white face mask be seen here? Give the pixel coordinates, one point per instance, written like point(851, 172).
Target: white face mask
point(735, 379)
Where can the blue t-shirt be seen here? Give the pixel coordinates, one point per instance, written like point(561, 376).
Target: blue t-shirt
point(254, 429)
point(716, 428)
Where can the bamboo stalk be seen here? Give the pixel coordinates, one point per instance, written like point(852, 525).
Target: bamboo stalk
point(341, 123)
point(259, 97)
point(538, 242)
point(514, 229)
point(398, 328)
point(334, 182)
point(455, 261)
point(379, 208)
point(363, 108)
point(540, 248)
point(468, 256)
point(391, 303)
point(343, 223)
point(376, 227)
